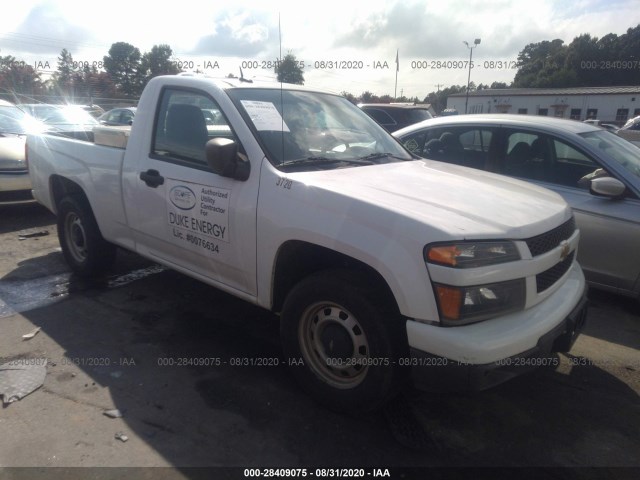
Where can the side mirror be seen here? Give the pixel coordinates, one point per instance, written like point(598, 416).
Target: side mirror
point(607, 187)
point(225, 160)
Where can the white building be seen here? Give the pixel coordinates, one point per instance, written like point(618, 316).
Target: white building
point(607, 104)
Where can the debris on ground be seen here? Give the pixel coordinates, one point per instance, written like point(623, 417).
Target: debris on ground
point(121, 436)
point(25, 235)
point(31, 334)
point(115, 413)
point(20, 377)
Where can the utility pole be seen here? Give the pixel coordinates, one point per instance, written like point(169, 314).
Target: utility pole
point(476, 42)
point(395, 91)
point(438, 85)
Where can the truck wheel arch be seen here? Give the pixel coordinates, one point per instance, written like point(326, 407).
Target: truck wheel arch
point(61, 187)
point(297, 260)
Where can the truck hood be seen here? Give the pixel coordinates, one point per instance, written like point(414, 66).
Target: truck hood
point(459, 201)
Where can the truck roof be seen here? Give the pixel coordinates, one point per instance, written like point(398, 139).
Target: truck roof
point(227, 83)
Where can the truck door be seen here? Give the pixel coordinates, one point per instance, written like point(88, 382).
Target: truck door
point(183, 214)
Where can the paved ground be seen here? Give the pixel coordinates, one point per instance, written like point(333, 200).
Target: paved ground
point(110, 343)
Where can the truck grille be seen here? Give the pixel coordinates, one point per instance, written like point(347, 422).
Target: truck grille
point(547, 278)
point(548, 241)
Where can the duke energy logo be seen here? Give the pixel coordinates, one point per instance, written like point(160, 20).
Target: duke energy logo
point(182, 197)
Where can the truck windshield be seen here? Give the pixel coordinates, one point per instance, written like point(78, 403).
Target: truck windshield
point(301, 130)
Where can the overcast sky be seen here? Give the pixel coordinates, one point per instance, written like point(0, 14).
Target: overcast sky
point(357, 36)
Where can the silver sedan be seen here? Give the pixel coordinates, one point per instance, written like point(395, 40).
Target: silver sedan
point(597, 173)
point(14, 175)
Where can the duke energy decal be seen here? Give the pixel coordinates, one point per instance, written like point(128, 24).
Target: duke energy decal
point(197, 215)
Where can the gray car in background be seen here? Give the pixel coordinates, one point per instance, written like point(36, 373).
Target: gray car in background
point(118, 116)
point(15, 184)
point(596, 171)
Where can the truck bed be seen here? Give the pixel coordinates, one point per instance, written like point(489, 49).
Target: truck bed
point(95, 168)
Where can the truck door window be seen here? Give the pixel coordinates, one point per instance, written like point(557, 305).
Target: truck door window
point(185, 121)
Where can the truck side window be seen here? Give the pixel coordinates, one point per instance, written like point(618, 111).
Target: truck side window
point(185, 121)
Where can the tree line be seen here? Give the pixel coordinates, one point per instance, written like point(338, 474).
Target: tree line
point(122, 73)
point(587, 61)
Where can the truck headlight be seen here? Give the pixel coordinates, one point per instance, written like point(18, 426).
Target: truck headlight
point(471, 254)
point(462, 305)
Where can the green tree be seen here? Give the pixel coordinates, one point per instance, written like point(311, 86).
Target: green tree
point(288, 70)
point(158, 62)
point(349, 97)
point(89, 82)
point(123, 64)
point(63, 76)
point(438, 100)
point(537, 62)
point(587, 61)
point(368, 97)
point(17, 77)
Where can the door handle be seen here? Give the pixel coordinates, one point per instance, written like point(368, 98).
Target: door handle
point(152, 178)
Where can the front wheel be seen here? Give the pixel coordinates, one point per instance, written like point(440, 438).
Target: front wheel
point(349, 341)
point(84, 249)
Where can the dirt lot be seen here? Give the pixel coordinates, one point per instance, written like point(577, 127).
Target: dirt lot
point(118, 344)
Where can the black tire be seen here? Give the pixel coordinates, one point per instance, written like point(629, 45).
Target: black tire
point(348, 339)
point(84, 249)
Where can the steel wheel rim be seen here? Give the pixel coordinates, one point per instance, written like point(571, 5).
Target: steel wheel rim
point(76, 237)
point(321, 326)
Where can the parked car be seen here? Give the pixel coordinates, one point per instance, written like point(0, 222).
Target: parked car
point(94, 110)
point(71, 121)
point(394, 116)
point(39, 110)
point(598, 123)
point(15, 184)
point(596, 172)
point(118, 116)
point(631, 130)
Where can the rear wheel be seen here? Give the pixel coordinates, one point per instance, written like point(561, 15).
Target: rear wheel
point(348, 340)
point(84, 249)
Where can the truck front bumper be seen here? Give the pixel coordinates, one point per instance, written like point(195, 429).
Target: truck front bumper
point(479, 356)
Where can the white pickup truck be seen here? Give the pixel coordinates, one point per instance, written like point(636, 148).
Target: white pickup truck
point(383, 267)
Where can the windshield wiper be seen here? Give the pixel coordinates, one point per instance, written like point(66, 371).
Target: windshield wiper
point(319, 160)
point(378, 155)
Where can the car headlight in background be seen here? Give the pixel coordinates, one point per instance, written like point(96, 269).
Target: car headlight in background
point(463, 305)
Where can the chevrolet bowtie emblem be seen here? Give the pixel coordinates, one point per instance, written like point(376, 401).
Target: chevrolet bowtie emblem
point(566, 248)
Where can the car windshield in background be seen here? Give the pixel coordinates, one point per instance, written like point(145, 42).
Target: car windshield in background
point(14, 120)
point(415, 115)
point(69, 116)
point(309, 131)
point(622, 151)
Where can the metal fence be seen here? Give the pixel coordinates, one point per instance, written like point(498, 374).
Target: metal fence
point(105, 103)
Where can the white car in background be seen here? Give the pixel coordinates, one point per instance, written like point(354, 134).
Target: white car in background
point(631, 131)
